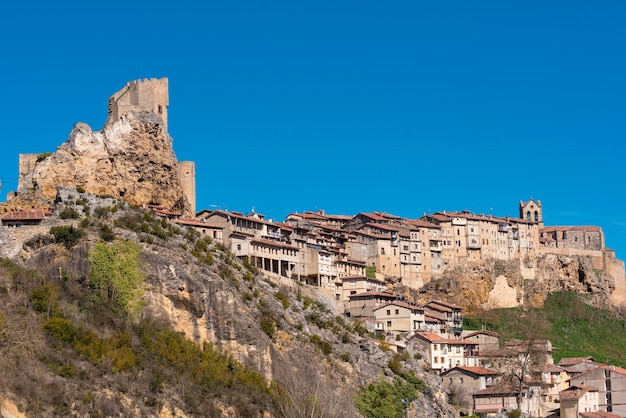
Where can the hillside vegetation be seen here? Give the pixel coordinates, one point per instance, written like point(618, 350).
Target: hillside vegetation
point(574, 327)
point(86, 329)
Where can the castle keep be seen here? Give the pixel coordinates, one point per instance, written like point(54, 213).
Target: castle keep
point(147, 97)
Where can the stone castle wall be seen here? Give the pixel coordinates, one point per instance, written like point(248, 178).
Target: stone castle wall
point(26, 166)
point(148, 95)
point(187, 171)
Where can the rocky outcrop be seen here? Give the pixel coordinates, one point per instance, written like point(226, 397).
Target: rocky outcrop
point(502, 284)
point(131, 159)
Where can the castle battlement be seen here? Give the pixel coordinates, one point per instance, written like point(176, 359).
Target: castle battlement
point(146, 95)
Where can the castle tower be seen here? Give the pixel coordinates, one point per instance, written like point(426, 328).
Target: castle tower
point(148, 95)
point(26, 166)
point(531, 211)
point(187, 172)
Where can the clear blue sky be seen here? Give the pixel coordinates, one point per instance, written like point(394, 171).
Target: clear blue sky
point(405, 107)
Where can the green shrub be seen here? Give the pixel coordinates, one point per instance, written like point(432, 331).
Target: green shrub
point(268, 326)
point(43, 156)
point(45, 300)
point(283, 297)
point(80, 189)
point(116, 273)
point(385, 400)
point(106, 234)
point(69, 213)
point(67, 235)
point(60, 328)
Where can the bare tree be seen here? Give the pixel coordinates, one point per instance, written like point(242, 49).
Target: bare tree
point(304, 393)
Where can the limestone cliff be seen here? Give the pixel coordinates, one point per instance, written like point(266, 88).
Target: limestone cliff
point(503, 284)
point(131, 159)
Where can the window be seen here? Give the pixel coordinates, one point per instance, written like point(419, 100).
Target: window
point(239, 247)
point(389, 323)
point(388, 311)
point(397, 311)
point(382, 251)
point(458, 349)
point(434, 347)
point(160, 109)
point(460, 380)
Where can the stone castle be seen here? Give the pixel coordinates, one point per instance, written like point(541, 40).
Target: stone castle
point(148, 97)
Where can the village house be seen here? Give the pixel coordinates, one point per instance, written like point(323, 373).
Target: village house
point(552, 380)
point(610, 381)
point(450, 314)
point(437, 348)
point(578, 399)
point(461, 382)
point(400, 318)
point(352, 285)
point(25, 217)
point(494, 399)
point(215, 232)
point(364, 304)
point(486, 341)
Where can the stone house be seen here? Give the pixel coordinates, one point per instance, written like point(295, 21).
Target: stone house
point(215, 232)
point(451, 314)
point(352, 285)
point(400, 318)
point(552, 380)
point(486, 341)
point(494, 399)
point(461, 382)
point(610, 381)
point(23, 217)
point(578, 399)
point(364, 304)
point(437, 348)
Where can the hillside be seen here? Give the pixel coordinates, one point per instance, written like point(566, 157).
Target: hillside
point(109, 310)
point(569, 321)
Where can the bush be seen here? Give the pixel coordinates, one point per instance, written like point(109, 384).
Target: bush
point(116, 273)
point(268, 326)
point(44, 299)
point(69, 213)
point(67, 235)
point(43, 156)
point(283, 297)
point(106, 234)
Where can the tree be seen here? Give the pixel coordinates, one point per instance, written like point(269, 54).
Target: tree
point(528, 351)
point(116, 273)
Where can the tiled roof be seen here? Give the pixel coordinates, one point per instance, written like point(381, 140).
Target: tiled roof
point(570, 228)
point(446, 304)
point(193, 222)
point(570, 361)
point(402, 305)
point(270, 243)
point(421, 223)
point(575, 392)
point(23, 215)
point(431, 337)
point(497, 390)
point(481, 371)
point(381, 294)
point(482, 331)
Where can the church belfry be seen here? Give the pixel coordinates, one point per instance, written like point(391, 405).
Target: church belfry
point(531, 211)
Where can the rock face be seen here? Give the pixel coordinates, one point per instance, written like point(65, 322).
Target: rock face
point(503, 284)
point(131, 159)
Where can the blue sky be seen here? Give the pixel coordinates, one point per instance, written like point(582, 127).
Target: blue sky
point(406, 107)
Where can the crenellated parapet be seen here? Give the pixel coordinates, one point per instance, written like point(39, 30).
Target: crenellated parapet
point(147, 95)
